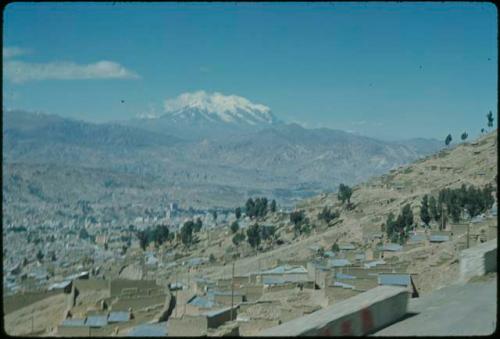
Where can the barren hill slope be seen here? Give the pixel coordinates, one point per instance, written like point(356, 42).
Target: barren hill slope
point(471, 163)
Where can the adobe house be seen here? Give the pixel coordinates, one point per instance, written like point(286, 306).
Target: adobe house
point(398, 279)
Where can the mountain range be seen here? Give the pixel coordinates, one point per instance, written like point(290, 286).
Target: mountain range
point(205, 151)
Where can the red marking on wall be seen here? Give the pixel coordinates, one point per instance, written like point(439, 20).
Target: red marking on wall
point(326, 332)
point(366, 320)
point(346, 328)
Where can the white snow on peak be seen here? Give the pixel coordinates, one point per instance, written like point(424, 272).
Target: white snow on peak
point(227, 108)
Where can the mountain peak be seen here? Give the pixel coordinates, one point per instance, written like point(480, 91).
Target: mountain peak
point(217, 107)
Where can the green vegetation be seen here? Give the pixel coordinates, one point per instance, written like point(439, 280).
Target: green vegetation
point(159, 235)
point(344, 194)
point(489, 116)
point(237, 212)
point(398, 229)
point(464, 136)
point(327, 216)
point(424, 211)
point(448, 140)
point(235, 227)
point(335, 247)
point(257, 208)
point(187, 233)
point(273, 206)
point(238, 238)
point(253, 235)
point(197, 225)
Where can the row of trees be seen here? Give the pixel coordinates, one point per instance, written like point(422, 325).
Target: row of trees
point(255, 233)
point(454, 202)
point(257, 208)
point(158, 234)
point(398, 228)
point(187, 230)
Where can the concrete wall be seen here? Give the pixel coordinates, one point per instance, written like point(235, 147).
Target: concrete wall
point(14, 302)
point(71, 331)
point(187, 326)
point(360, 315)
point(83, 285)
point(221, 317)
point(142, 286)
point(226, 299)
point(122, 304)
point(478, 260)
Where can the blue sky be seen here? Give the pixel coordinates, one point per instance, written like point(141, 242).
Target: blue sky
point(387, 70)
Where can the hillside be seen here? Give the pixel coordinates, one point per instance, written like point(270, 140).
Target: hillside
point(470, 163)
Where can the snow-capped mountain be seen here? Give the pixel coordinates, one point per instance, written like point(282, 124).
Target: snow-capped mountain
point(217, 108)
point(199, 115)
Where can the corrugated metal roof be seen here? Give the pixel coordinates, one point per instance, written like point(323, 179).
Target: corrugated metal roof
point(374, 263)
point(58, 285)
point(347, 247)
point(118, 317)
point(339, 262)
point(201, 302)
point(391, 247)
point(394, 279)
point(270, 280)
point(285, 269)
point(439, 238)
point(73, 322)
point(96, 321)
point(149, 330)
point(417, 238)
point(344, 276)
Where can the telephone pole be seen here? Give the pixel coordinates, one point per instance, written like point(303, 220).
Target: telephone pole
point(468, 230)
point(232, 293)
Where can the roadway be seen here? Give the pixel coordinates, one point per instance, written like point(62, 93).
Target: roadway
point(456, 310)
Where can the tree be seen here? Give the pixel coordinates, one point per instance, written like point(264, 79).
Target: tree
point(434, 212)
point(143, 239)
point(407, 215)
point(187, 233)
point(335, 247)
point(464, 136)
point(482, 130)
point(161, 234)
point(273, 206)
point(238, 238)
point(490, 119)
point(448, 139)
point(214, 215)
point(344, 194)
point(211, 258)
point(39, 255)
point(83, 233)
point(253, 235)
point(197, 225)
point(266, 232)
point(424, 211)
point(297, 217)
point(237, 212)
point(235, 227)
point(327, 215)
point(250, 207)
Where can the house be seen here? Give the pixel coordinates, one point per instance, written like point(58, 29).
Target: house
point(391, 247)
point(64, 286)
point(118, 317)
point(393, 279)
point(149, 330)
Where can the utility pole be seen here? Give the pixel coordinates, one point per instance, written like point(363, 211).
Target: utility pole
point(468, 230)
point(232, 293)
point(176, 300)
point(32, 324)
